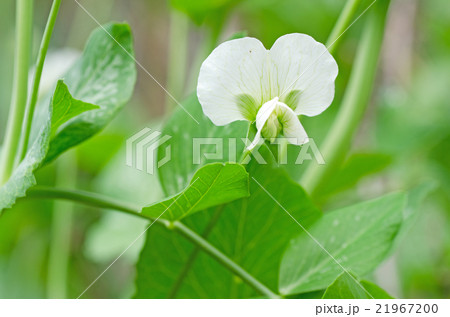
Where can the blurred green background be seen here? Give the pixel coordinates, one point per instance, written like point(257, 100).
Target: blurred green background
point(56, 249)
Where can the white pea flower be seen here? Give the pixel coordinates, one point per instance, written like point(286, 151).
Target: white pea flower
point(242, 80)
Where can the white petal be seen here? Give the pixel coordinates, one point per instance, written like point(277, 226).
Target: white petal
point(261, 118)
point(264, 113)
point(301, 63)
point(293, 130)
point(233, 68)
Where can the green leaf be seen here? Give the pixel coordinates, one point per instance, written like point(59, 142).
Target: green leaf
point(62, 108)
point(253, 231)
point(105, 75)
point(176, 174)
point(65, 107)
point(358, 237)
point(211, 185)
point(376, 291)
point(346, 286)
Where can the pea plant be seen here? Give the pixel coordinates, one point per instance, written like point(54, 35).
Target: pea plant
point(243, 228)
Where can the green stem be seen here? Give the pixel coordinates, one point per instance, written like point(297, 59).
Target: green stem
point(354, 102)
point(31, 104)
point(109, 203)
point(61, 230)
point(178, 45)
point(87, 198)
point(24, 21)
point(343, 23)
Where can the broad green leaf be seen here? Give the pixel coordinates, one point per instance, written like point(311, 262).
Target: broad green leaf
point(346, 286)
point(253, 231)
point(104, 76)
point(358, 237)
point(62, 108)
point(211, 185)
point(185, 132)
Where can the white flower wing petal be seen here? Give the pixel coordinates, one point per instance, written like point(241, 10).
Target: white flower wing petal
point(293, 130)
point(301, 63)
point(264, 113)
point(234, 68)
point(261, 118)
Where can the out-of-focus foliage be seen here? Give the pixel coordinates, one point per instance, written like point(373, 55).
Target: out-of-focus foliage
point(204, 10)
point(405, 131)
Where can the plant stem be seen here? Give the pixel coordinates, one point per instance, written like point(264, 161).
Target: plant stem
point(61, 230)
point(87, 198)
point(178, 46)
point(109, 203)
point(342, 24)
point(31, 104)
point(24, 18)
point(354, 102)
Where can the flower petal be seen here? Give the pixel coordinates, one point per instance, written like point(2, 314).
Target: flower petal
point(293, 130)
point(303, 66)
point(261, 118)
point(264, 113)
point(230, 81)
